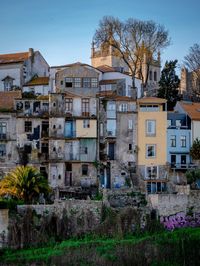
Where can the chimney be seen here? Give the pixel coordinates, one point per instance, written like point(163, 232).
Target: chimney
point(31, 52)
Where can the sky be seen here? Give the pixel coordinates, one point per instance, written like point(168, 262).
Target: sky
point(62, 30)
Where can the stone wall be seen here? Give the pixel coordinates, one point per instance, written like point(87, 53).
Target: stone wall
point(169, 204)
point(3, 227)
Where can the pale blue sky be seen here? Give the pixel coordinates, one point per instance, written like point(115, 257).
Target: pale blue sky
point(62, 30)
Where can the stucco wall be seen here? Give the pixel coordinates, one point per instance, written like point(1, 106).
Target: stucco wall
point(88, 132)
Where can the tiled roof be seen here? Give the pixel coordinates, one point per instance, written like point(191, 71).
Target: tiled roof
point(108, 81)
point(105, 68)
point(192, 109)
point(13, 58)
point(151, 100)
point(38, 81)
point(7, 99)
point(112, 95)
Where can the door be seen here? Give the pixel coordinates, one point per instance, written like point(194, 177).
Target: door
point(173, 161)
point(183, 161)
point(68, 174)
point(69, 129)
point(111, 151)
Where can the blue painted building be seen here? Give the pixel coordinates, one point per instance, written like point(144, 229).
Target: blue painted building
point(178, 141)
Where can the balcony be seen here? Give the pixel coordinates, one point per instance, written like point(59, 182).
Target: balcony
point(181, 166)
point(111, 134)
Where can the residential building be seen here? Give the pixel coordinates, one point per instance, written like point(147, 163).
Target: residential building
point(178, 141)
point(73, 128)
point(19, 68)
point(117, 140)
point(107, 56)
point(38, 86)
point(192, 110)
point(152, 144)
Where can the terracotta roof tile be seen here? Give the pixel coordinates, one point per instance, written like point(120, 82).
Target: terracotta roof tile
point(13, 58)
point(192, 109)
point(105, 68)
point(108, 81)
point(151, 100)
point(38, 81)
point(7, 99)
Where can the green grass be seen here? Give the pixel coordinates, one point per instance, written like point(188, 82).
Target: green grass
point(103, 246)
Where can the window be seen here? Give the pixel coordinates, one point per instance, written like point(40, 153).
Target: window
point(101, 129)
point(156, 187)
point(150, 75)
point(123, 107)
point(155, 76)
point(150, 127)
point(178, 123)
point(86, 83)
point(151, 172)
point(28, 126)
point(183, 141)
point(68, 82)
point(77, 82)
point(149, 108)
point(130, 147)
point(94, 82)
point(130, 124)
point(2, 150)
point(84, 169)
point(69, 104)
point(173, 141)
point(169, 123)
point(8, 83)
point(150, 151)
point(85, 106)
point(86, 123)
point(85, 150)
point(3, 130)
point(61, 82)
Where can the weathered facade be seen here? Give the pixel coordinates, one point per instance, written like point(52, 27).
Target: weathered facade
point(117, 140)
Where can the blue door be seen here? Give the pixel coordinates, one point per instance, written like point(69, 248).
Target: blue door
point(69, 129)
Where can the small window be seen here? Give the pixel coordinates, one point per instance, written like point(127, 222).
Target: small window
point(86, 83)
point(69, 104)
point(86, 123)
point(94, 82)
point(130, 147)
point(2, 150)
point(86, 150)
point(183, 141)
point(173, 141)
point(54, 149)
point(84, 169)
point(61, 82)
point(178, 123)
point(28, 126)
point(151, 151)
point(130, 124)
point(150, 127)
point(150, 75)
point(123, 107)
point(155, 76)
point(151, 172)
point(68, 82)
point(77, 83)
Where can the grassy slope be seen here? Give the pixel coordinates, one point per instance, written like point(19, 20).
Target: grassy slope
point(57, 249)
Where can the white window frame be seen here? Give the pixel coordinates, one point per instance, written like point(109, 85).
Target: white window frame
point(152, 168)
point(150, 145)
point(151, 124)
point(130, 124)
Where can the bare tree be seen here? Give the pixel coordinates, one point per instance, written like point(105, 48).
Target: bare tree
point(192, 62)
point(135, 42)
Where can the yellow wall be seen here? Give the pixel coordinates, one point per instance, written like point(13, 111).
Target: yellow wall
point(160, 139)
point(90, 132)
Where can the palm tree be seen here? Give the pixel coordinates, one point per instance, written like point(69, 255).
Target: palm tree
point(25, 183)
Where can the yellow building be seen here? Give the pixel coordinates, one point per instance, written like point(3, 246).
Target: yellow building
point(152, 143)
point(86, 128)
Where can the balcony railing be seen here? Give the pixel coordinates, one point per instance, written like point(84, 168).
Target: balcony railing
point(111, 133)
point(181, 166)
